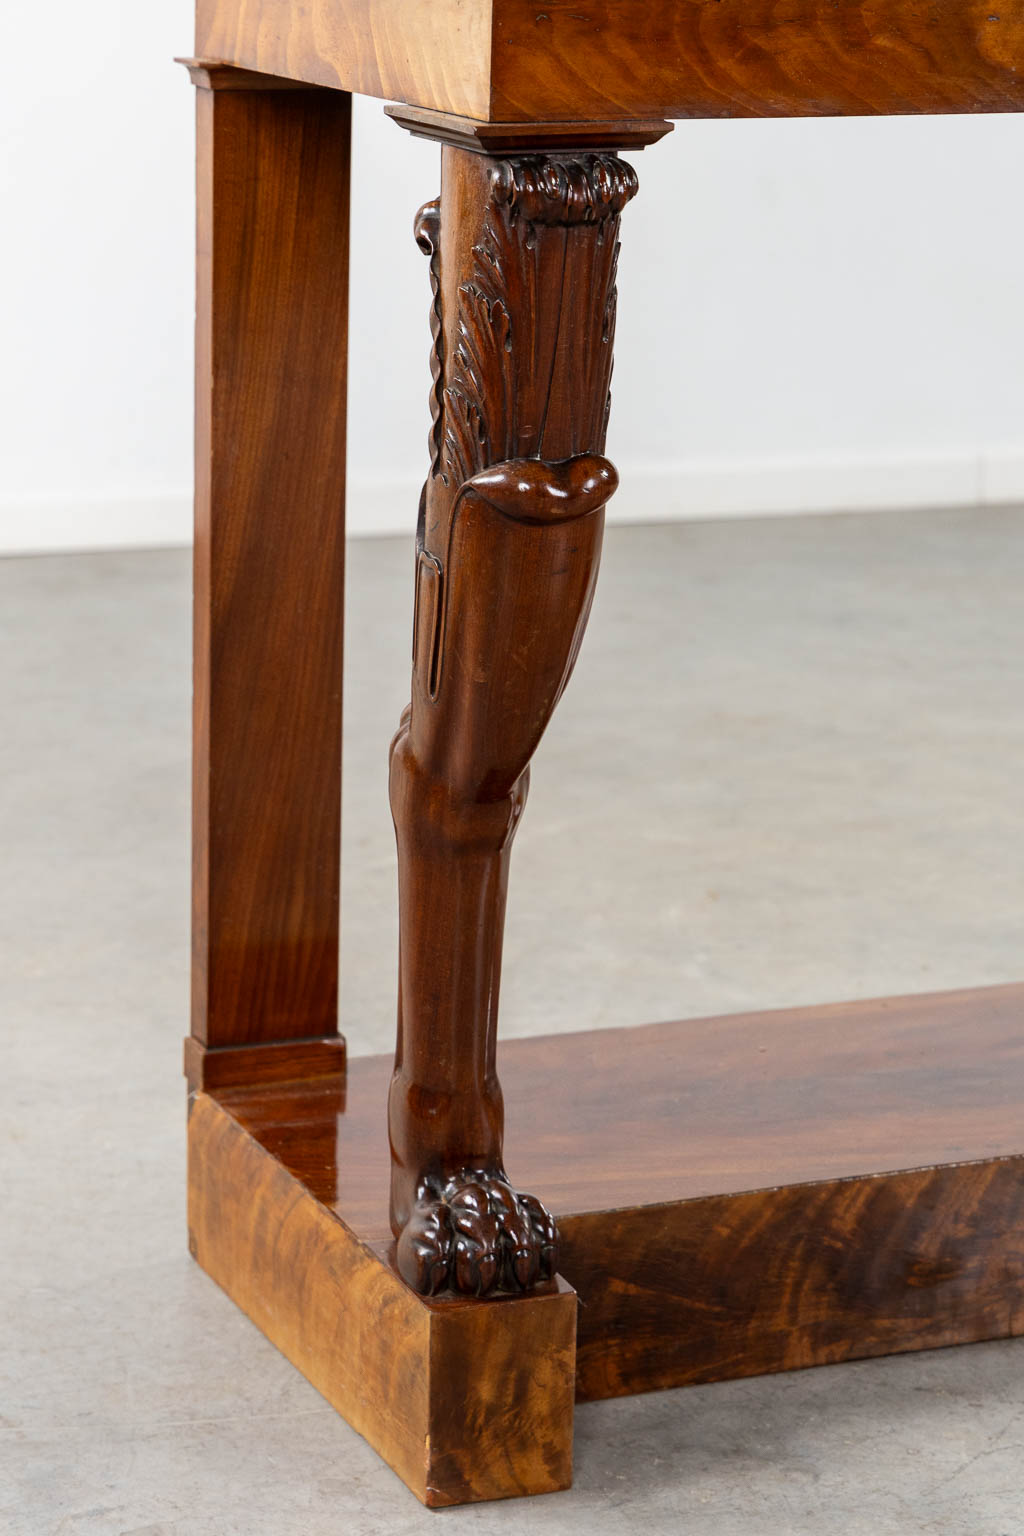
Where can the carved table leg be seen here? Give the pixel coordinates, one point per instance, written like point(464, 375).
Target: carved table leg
point(523, 255)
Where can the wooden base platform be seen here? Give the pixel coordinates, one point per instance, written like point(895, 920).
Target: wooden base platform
point(735, 1196)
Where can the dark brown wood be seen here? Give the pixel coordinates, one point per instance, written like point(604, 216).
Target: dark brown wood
point(523, 255)
point(744, 1194)
point(273, 188)
point(513, 61)
point(465, 1402)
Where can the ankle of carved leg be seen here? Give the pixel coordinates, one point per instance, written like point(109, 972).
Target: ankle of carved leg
point(474, 1234)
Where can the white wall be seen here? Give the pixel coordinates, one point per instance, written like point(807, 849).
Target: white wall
point(822, 314)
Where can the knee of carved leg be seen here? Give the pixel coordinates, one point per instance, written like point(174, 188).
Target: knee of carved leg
point(403, 768)
point(431, 808)
point(530, 490)
point(400, 734)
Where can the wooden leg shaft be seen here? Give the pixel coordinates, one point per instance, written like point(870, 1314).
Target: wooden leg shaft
point(523, 256)
point(272, 310)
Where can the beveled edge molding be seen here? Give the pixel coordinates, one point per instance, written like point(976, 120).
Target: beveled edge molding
point(520, 138)
point(221, 75)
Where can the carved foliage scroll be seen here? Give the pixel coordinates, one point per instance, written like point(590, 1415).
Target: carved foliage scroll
point(535, 316)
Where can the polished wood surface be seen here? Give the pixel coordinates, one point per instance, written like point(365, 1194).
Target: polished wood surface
point(273, 188)
point(523, 254)
point(465, 1402)
point(508, 60)
point(680, 1111)
point(744, 1194)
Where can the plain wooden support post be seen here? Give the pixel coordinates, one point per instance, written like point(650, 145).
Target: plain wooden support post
point(271, 366)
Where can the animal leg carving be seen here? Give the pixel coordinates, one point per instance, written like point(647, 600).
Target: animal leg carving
point(508, 547)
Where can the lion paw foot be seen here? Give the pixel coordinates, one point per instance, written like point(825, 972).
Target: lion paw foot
point(474, 1234)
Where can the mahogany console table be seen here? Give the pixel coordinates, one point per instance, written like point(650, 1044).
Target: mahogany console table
point(724, 1196)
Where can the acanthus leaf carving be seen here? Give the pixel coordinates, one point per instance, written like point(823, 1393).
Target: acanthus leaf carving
point(552, 221)
point(545, 190)
point(480, 387)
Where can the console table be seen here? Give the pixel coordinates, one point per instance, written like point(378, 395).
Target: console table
point(723, 1196)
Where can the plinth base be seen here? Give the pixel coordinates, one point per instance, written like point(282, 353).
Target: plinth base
point(735, 1196)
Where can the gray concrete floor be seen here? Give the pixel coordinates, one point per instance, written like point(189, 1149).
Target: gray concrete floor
point(788, 770)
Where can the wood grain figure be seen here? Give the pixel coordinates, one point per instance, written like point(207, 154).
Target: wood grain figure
point(514, 61)
point(738, 1195)
point(464, 1402)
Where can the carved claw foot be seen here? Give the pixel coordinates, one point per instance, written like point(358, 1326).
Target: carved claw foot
point(474, 1234)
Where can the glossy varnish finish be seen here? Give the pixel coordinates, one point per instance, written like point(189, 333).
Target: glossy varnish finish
point(513, 60)
point(270, 474)
point(744, 1194)
point(523, 255)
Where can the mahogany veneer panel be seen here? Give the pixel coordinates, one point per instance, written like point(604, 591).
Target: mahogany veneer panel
point(466, 1401)
point(756, 58)
point(807, 1274)
point(517, 61)
point(433, 53)
point(742, 1194)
